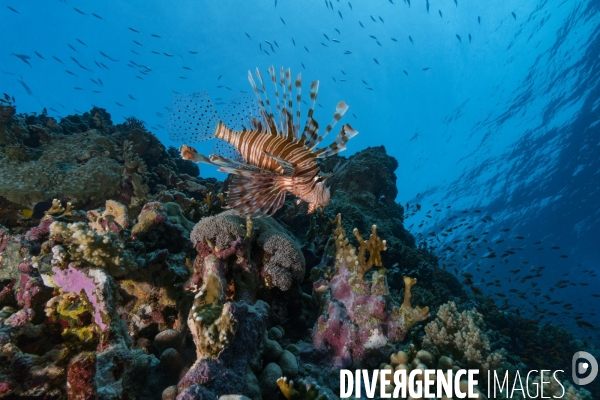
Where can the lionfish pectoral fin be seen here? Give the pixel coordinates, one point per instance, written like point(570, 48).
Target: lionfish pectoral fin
point(228, 163)
point(255, 194)
point(288, 168)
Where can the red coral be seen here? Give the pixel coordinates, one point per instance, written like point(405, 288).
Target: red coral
point(80, 377)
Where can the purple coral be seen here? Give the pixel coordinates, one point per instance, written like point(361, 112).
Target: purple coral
point(92, 282)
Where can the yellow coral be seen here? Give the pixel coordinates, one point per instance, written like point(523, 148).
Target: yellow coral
point(346, 253)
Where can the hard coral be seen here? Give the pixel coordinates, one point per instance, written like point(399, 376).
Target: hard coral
point(463, 335)
point(360, 317)
point(84, 244)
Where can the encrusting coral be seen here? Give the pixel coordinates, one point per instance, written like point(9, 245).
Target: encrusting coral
point(84, 244)
point(463, 335)
point(359, 315)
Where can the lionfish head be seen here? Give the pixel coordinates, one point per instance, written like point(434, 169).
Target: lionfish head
point(321, 193)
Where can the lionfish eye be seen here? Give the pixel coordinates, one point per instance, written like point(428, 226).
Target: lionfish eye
point(319, 179)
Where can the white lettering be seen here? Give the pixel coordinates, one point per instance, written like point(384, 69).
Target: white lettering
point(346, 390)
point(457, 392)
point(383, 382)
point(472, 383)
point(444, 381)
point(400, 382)
point(370, 385)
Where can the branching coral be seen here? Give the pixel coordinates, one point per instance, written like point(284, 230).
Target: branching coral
point(112, 219)
point(300, 390)
point(83, 244)
point(359, 315)
point(461, 334)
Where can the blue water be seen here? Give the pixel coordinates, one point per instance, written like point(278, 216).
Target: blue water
point(505, 122)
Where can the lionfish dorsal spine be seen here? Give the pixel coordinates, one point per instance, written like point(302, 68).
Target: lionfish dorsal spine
point(299, 103)
point(340, 110)
point(277, 101)
point(311, 128)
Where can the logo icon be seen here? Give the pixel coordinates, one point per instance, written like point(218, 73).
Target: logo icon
point(580, 368)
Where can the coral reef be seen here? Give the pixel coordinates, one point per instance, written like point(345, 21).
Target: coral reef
point(463, 335)
point(360, 317)
point(134, 283)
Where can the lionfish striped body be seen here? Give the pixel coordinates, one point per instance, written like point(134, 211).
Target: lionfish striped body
point(275, 157)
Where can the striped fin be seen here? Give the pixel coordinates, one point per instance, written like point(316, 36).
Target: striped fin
point(254, 194)
point(288, 168)
point(340, 110)
point(339, 144)
point(311, 128)
point(268, 117)
point(299, 102)
point(192, 118)
point(274, 80)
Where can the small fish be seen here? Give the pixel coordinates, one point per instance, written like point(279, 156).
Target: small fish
point(23, 57)
point(138, 43)
point(193, 52)
point(246, 33)
point(427, 5)
point(335, 40)
point(347, 52)
point(338, 31)
point(94, 81)
point(411, 40)
point(133, 30)
point(426, 69)
point(79, 11)
point(119, 104)
point(374, 20)
point(405, 72)
point(69, 72)
point(459, 39)
point(381, 19)
point(168, 54)
point(456, 2)
point(139, 77)
point(303, 65)
point(97, 16)
point(514, 15)
point(340, 14)
point(306, 49)
point(188, 68)
point(131, 97)
point(39, 210)
point(100, 80)
point(155, 36)
point(361, 24)
point(440, 11)
point(81, 41)
point(182, 77)
point(469, 38)
point(394, 39)
point(72, 48)
point(134, 52)
point(350, 5)
point(12, 9)
point(58, 59)
point(326, 37)
point(479, 20)
point(27, 89)
point(78, 88)
point(282, 20)
point(376, 62)
point(293, 41)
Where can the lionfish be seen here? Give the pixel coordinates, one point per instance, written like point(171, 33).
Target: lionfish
point(273, 156)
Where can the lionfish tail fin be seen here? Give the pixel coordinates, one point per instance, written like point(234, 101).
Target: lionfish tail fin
point(192, 118)
point(255, 194)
